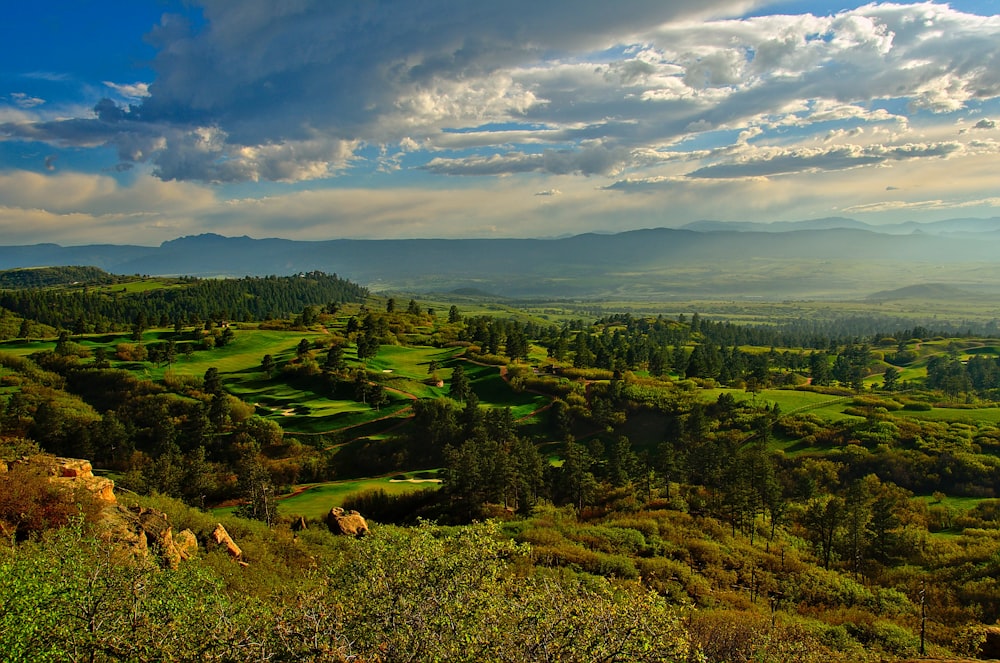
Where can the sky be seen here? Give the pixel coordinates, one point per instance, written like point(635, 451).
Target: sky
point(139, 122)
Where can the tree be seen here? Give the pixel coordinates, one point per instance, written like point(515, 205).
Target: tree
point(577, 482)
point(390, 305)
point(823, 519)
point(459, 387)
point(377, 397)
point(413, 308)
point(334, 358)
point(255, 487)
point(267, 364)
point(453, 315)
point(890, 379)
point(212, 382)
point(303, 348)
point(226, 337)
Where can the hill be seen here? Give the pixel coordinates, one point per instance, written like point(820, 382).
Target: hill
point(922, 291)
point(45, 277)
point(833, 262)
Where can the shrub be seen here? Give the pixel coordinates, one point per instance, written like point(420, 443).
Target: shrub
point(30, 503)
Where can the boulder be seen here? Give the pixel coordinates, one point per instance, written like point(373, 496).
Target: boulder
point(186, 543)
point(222, 538)
point(75, 473)
point(349, 523)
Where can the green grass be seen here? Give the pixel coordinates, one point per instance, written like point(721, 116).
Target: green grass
point(969, 416)
point(140, 285)
point(23, 348)
point(317, 500)
point(493, 391)
point(825, 406)
point(410, 362)
point(957, 504)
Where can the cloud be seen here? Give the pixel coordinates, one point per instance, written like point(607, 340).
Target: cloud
point(783, 162)
point(921, 205)
point(295, 91)
point(985, 124)
point(590, 160)
point(23, 100)
point(129, 90)
point(549, 192)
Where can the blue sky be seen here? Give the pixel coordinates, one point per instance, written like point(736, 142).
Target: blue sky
point(143, 121)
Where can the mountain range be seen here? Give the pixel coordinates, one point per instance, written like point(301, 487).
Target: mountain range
point(826, 258)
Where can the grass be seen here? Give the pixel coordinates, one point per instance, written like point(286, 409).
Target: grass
point(825, 406)
point(139, 285)
point(493, 391)
point(317, 499)
point(962, 415)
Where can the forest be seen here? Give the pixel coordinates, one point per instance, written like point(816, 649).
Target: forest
point(663, 487)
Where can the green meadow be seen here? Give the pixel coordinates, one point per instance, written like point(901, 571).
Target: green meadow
point(316, 500)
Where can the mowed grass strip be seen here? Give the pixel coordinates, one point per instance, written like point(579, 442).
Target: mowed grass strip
point(825, 406)
point(493, 391)
point(317, 499)
point(411, 362)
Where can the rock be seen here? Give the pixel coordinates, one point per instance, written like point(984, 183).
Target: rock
point(75, 473)
point(121, 527)
point(186, 543)
point(74, 467)
point(349, 523)
point(159, 534)
point(222, 538)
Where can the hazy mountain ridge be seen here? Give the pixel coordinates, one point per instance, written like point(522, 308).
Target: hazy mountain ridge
point(947, 226)
point(802, 261)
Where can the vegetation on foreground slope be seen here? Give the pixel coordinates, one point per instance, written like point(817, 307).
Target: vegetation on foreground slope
point(653, 488)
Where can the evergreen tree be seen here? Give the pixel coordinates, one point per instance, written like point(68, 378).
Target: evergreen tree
point(459, 387)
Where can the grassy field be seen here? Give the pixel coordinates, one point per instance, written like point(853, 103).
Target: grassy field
point(969, 416)
point(790, 401)
point(316, 500)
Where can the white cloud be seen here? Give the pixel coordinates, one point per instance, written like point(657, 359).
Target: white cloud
point(295, 92)
point(23, 100)
point(129, 90)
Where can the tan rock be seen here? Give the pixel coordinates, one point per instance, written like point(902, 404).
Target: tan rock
point(221, 537)
point(186, 543)
point(74, 467)
point(349, 523)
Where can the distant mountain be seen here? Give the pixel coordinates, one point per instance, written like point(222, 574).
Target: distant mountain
point(638, 264)
point(923, 291)
point(779, 226)
point(948, 226)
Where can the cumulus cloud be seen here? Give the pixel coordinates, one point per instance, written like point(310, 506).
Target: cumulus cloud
point(129, 90)
point(293, 91)
point(984, 124)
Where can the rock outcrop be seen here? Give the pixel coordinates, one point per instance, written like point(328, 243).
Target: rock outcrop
point(349, 523)
point(71, 473)
point(222, 538)
point(147, 531)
